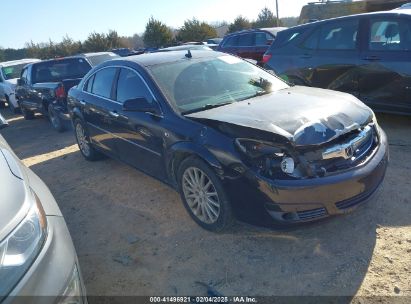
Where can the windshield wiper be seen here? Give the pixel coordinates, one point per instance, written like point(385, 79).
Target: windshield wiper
point(207, 107)
point(256, 94)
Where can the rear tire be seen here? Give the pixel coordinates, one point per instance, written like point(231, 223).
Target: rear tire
point(27, 114)
point(55, 120)
point(83, 141)
point(203, 195)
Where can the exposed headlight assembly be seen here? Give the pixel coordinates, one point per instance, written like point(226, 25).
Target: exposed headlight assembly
point(274, 157)
point(20, 248)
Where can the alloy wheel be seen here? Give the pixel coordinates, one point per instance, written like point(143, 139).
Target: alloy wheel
point(201, 195)
point(82, 140)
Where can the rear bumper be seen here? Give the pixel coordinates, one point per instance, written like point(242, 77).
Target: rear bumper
point(296, 201)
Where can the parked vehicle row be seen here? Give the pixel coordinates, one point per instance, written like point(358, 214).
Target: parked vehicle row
point(43, 85)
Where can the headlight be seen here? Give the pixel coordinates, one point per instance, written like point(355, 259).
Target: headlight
point(21, 247)
point(72, 294)
point(271, 157)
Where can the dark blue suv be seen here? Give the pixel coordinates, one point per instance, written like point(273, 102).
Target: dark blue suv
point(366, 55)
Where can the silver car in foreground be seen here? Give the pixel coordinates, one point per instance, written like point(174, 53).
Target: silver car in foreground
point(38, 262)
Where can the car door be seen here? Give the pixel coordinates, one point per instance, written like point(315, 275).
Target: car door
point(246, 45)
point(100, 111)
point(140, 135)
point(335, 60)
point(23, 91)
point(385, 74)
point(230, 46)
point(262, 41)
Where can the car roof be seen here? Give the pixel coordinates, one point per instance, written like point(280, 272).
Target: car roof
point(91, 54)
point(21, 61)
point(272, 30)
point(394, 12)
point(151, 59)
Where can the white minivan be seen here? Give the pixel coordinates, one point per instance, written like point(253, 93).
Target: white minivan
point(9, 73)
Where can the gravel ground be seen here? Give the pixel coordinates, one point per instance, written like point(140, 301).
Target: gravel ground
point(134, 237)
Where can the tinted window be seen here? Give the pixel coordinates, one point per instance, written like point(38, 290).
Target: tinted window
point(311, 42)
point(262, 38)
point(387, 35)
point(58, 70)
point(246, 40)
point(24, 76)
point(231, 41)
point(340, 35)
point(103, 81)
point(130, 86)
point(89, 84)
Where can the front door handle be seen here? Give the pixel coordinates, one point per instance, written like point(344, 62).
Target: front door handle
point(306, 56)
point(82, 102)
point(114, 114)
point(371, 58)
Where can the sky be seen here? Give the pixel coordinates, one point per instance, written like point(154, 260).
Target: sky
point(41, 20)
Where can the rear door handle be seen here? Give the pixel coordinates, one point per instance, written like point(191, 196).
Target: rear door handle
point(371, 58)
point(82, 102)
point(114, 114)
point(306, 56)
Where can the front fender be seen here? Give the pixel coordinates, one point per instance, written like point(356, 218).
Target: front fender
point(181, 150)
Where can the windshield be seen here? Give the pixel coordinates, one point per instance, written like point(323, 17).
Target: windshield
point(13, 71)
point(194, 85)
point(60, 69)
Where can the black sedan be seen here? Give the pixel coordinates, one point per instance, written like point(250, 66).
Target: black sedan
point(232, 138)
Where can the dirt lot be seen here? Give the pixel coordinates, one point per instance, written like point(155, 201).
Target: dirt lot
point(133, 236)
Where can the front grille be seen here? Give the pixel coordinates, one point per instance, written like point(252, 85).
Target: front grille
point(361, 150)
point(311, 214)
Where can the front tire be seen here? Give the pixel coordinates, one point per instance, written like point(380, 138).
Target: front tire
point(203, 195)
point(83, 141)
point(55, 120)
point(27, 114)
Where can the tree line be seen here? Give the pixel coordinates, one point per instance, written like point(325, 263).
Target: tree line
point(157, 34)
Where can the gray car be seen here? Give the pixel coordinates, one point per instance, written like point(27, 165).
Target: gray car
point(37, 256)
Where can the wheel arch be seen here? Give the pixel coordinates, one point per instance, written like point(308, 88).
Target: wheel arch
point(183, 150)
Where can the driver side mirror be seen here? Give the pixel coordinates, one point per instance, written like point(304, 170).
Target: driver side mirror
point(3, 122)
point(141, 104)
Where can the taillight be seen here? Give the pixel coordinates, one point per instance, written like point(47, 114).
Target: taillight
point(266, 58)
point(60, 92)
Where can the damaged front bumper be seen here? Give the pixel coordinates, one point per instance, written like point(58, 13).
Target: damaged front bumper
point(305, 200)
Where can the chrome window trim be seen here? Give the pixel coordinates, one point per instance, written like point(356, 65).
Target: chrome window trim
point(115, 101)
point(126, 140)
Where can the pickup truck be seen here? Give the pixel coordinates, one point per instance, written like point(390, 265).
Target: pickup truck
point(9, 72)
point(43, 88)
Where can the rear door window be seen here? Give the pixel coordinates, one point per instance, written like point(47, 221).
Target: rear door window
point(231, 41)
point(389, 35)
point(341, 35)
point(103, 82)
point(262, 38)
point(311, 42)
point(246, 40)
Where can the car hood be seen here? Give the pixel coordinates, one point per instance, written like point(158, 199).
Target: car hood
point(14, 199)
point(304, 116)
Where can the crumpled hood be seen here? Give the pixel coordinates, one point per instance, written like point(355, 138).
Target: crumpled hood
point(305, 116)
